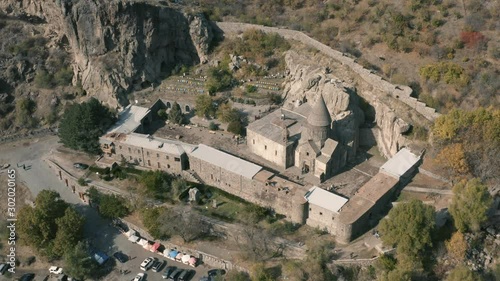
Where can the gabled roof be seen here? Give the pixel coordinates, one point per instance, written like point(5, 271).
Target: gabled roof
point(325, 199)
point(400, 163)
point(226, 161)
point(319, 116)
point(129, 119)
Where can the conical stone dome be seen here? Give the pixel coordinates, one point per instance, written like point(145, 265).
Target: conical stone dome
point(319, 117)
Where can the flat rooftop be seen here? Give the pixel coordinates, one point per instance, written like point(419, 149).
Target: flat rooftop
point(366, 197)
point(226, 161)
point(129, 119)
point(271, 125)
point(325, 199)
point(150, 142)
point(400, 163)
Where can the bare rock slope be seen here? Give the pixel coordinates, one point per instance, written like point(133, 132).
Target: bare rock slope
point(119, 45)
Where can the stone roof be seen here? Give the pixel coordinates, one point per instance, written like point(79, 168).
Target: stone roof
point(366, 197)
point(319, 116)
point(329, 147)
point(271, 125)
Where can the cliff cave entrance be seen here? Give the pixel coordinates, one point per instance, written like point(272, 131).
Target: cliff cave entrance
point(145, 84)
point(187, 108)
point(164, 67)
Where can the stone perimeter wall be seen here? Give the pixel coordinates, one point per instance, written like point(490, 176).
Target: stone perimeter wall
point(399, 92)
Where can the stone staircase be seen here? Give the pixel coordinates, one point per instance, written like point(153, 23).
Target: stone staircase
point(192, 176)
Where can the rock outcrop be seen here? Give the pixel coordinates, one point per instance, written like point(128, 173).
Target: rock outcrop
point(307, 81)
point(120, 45)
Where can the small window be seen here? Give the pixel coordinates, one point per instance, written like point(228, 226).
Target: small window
point(147, 153)
point(307, 153)
point(211, 176)
point(320, 213)
point(120, 146)
point(265, 147)
point(149, 162)
point(310, 209)
point(159, 166)
point(275, 152)
point(253, 141)
point(130, 157)
point(157, 155)
point(168, 166)
point(129, 151)
point(177, 159)
point(166, 157)
point(138, 151)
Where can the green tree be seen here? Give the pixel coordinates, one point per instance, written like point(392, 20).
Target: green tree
point(175, 114)
point(179, 185)
point(69, 231)
point(409, 226)
point(462, 273)
point(162, 113)
point(78, 262)
point(457, 247)
point(37, 226)
point(155, 183)
point(226, 113)
point(25, 108)
point(235, 127)
point(470, 204)
point(204, 106)
point(82, 125)
point(112, 206)
point(219, 79)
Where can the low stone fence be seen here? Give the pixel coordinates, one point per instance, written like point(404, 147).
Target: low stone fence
point(399, 92)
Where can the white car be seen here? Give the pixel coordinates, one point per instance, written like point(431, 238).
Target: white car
point(55, 270)
point(139, 277)
point(147, 263)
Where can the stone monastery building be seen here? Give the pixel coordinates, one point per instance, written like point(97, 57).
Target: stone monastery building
point(300, 138)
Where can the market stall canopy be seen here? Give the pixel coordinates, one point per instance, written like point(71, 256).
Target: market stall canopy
point(155, 246)
point(179, 256)
point(143, 242)
point(131, 232)
point(133, 238)
point(185, 259)
point(173, 254)
point(193, 261)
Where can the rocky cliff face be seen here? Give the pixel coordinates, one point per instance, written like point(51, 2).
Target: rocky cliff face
point(120, 45)
point(306, 81)
point(308, 78)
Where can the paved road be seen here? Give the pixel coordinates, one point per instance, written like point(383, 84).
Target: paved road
point(103, 237)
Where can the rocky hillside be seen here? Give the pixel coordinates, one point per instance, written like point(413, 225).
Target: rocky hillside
point(117, 46)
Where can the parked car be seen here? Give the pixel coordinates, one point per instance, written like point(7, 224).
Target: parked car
point(168, 271)
point(55, 270)
point(185, 275)
point(80, 166)
point(174, 274)
point(121, 257)
point(147, 263)
point(205, 278)
point(27, 277)
point(158, 265)
point(139, 277)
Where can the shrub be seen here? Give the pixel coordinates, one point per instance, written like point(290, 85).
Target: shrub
point(212, 126)
point(235, 127)
point(43, 79)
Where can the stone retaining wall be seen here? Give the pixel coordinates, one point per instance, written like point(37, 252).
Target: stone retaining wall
point(399, 92)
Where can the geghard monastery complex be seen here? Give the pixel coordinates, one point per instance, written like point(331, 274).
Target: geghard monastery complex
point(300, 137)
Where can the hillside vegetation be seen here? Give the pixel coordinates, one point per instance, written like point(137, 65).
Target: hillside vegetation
point(446, 50)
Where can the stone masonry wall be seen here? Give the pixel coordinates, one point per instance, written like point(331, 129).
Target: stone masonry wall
point(286, 203)
point(399, 92)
